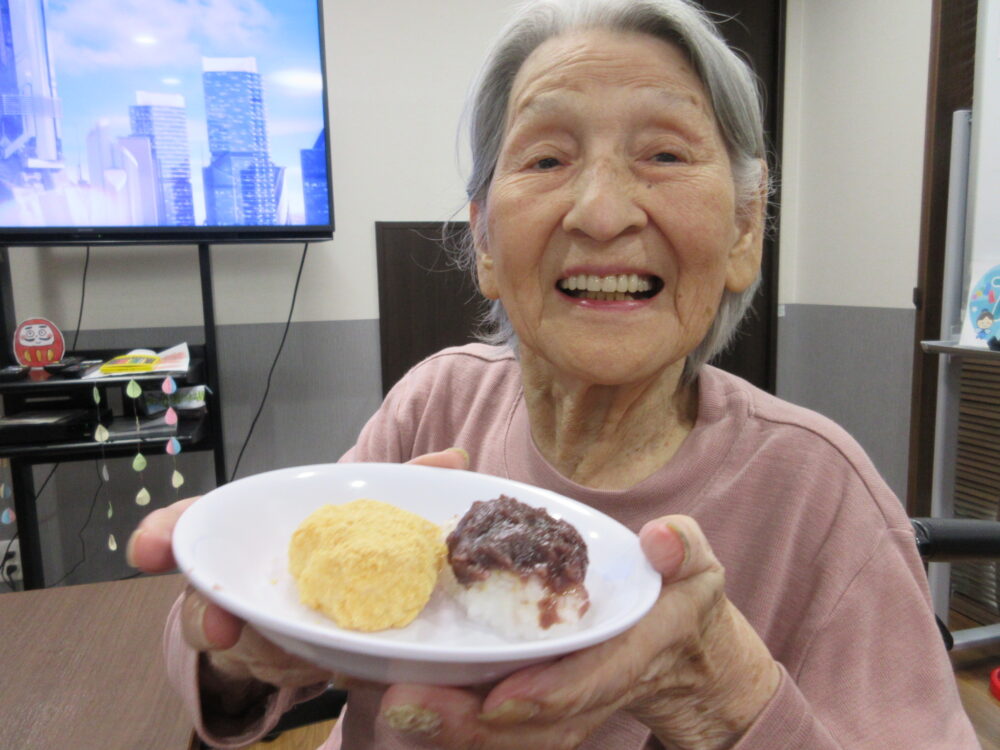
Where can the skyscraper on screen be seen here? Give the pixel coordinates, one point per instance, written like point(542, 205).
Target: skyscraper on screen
point(314, 182)
point(162, 119)
point(242, 186)
point(30, 145)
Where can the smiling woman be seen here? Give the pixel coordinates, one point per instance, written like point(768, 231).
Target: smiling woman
point(616, 204)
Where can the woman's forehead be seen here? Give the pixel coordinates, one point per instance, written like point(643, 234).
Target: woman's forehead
point(580, 59)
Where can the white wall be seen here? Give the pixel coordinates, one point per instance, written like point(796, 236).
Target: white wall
point(855, 103)
point(399, 73)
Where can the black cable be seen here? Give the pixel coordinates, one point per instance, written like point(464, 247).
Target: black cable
point(90, 513)
point(83, 295)
point(267, 389)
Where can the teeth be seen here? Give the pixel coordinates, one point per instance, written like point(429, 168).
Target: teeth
point(607, 287)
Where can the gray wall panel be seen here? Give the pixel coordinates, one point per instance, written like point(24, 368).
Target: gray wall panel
point(324, 388)
point(853, 364)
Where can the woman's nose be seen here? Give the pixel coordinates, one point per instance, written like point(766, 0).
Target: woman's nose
point(605, 203)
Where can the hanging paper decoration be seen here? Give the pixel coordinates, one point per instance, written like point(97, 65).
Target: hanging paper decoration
point(111, 511)
point(4, 490)
point(7, 517)
point(133, 390)
point(173, 447)
point(104, 473)
point(101, 434)
point(112, 544)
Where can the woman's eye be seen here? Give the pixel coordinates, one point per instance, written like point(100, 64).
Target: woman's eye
point(665, 157)
point(549, 162)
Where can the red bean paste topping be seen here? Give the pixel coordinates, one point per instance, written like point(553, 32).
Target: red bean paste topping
point(506, 534)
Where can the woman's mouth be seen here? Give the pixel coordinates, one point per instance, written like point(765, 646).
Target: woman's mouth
point(617, 287)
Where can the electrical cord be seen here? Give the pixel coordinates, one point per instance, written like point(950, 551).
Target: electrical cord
point(90, 514)
point(277, 356)
point(10, 581)
point(7, 579)
point(83, 296)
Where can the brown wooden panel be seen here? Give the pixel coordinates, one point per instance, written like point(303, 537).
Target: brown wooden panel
point(425, 303)
point(756, 30)
point(952, 67)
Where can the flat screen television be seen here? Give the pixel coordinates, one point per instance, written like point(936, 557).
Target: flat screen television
point(163, 121)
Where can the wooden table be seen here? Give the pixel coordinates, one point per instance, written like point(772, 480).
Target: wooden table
point(81, 667)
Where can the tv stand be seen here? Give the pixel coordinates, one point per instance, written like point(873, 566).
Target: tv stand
point(205, 433)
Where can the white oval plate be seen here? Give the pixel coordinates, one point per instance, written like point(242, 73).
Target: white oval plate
point(233, 546)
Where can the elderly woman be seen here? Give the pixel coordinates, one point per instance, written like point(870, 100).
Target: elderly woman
point(617, 206)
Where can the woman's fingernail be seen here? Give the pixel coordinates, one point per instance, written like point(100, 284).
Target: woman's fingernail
point(462, 452)
point(684, 541)
point(130, 547)
point(412, 720)
point(512, 712)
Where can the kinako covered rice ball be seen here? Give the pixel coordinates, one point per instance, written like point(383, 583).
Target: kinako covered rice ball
point(366, 564)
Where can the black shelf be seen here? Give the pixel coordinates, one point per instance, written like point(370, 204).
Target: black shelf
point(53, 393)
point(195, 373)
point(190, 432)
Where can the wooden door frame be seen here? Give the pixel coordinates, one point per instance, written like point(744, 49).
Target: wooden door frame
point(950, 84)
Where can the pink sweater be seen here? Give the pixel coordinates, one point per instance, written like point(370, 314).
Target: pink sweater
point(819, 555)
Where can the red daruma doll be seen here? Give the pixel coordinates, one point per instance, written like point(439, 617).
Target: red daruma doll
point(37, 342)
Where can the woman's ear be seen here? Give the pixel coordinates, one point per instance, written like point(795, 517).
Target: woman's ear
point(746, 253)
point(484, 261)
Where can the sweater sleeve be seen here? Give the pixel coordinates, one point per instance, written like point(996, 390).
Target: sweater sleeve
point(182, 671)
point(865, 685)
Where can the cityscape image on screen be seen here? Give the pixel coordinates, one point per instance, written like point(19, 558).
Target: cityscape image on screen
point(162, 114)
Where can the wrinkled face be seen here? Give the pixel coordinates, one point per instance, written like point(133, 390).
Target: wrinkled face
point(610, 229)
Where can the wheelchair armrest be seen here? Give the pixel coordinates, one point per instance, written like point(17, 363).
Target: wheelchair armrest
point(954, 539)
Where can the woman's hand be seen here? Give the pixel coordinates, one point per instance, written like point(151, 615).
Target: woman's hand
point(236, 655)
point(693, 670)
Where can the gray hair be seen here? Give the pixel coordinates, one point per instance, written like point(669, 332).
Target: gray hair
point(728, 80)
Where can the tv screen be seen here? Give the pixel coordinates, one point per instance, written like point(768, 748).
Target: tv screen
point(163, 120)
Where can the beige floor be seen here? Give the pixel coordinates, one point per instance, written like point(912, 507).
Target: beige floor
point(303, 738)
